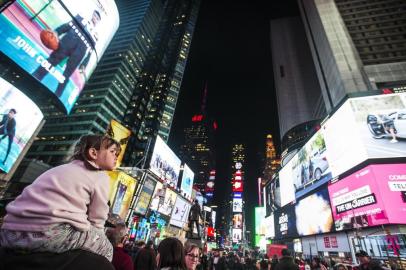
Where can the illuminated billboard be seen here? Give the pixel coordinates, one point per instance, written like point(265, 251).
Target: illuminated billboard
point(164, 163)
point(237, 235)
point(237, 205)
point(187, 181)
point(19, 119)
point(260, 225)
point(158, 196)
point(168, 203)
point(307, 223)
point(237, 221)
point(180, 213)
point(122, 188)
point(285, 222)
point(372, 196)
point(121, 134)
point(273, 195)
point(213, 218)
point(58, 42)
point(270, 226)
point(145, 196)
point(237, 186)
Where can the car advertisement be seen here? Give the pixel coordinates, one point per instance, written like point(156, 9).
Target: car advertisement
point(307, 170)
point(369, 197)
point(237, 235)
point(122, 188)
point(58, 42)
point(187, 181)
point(168, 204)
point(307, 223)
point(158, 196)
point(19, 119)
point(285, 222)
point(273, 195)
point(145, 196)
point(121, 134)
point(164, 163)
point(237, 221)
point(180, 213)
point(237, 205)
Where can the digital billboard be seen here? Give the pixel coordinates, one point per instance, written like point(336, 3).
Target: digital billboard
point(237, 221)
point(237, 205)
point(169, 202)
point(237, 235)
point(309, 223)
point(260, 226)
point(121, 192)
point(270, 226)
point(164, 163)
point(121, 134)
point(213, 218)
point(187, 181)
point(285, 222)
point(20, 117)
point(180, 213)
point(237, 186)
point(158, 196)
point(58, 42)
point(144, 198)
point(273, 195)
point(372, 196)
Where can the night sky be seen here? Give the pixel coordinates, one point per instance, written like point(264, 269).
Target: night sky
point(231, 52)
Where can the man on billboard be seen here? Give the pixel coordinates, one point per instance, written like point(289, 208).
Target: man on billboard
point(73, 45)
point(8, 129)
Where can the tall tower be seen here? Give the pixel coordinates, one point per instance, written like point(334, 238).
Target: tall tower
point(272, 162)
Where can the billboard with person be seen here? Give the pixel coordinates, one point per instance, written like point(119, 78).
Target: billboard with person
point(158, 196)
point(58, 42)
point(122, 188)
point(164, 163)
point(180, 213)
point(145, 196)
point(19, 119)
point(187, 181)
point(121, 134)
point(168, 203)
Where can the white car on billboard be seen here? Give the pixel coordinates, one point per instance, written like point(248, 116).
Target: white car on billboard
point(381, 123)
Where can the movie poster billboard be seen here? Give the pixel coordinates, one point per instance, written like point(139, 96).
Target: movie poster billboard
point(273, 195)
point(122, 188)
point(168, 203)
point(19, 119)
point(187, 181)
point(180, 213)
point(307, 223)
point(164, 163)
point(237, 235)
point(158, 196)
point(237, 221)
point(372, 196)
point(237, 205)
point(58, 42)
point(145, 196)
point(285, 222)
point(121, 134)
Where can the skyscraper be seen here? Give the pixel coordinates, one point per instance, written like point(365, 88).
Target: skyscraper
point(272, 162)
point(237, 155)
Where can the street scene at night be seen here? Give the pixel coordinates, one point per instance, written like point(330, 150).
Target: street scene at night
point(203, 135)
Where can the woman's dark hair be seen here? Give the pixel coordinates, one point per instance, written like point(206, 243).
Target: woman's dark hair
point(81, 151)
point(171, 254)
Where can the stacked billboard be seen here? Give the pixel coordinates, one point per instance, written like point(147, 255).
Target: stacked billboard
point(187, 181)
point(237, 188)
point(58, 42)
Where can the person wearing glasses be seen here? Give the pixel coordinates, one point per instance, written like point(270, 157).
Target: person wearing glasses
point(192, 256)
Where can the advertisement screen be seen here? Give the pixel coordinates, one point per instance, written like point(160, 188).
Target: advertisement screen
point(270, 226)
point(237, 186)
point(273, 196)
point(180, 213)
point(213, 218)
point(260, 226)
point(158, 196)
point(308, 169)
point(164, 163)
point(121, 134)
point(285, 222)
point(19, 119)
point(237, 235)
point(169, 202)
point(307, 223)
point(237, 205)
point(369, 197)
point(145, 196)
point(58, 42)
point(121, 192)
point(187, 181)
point(237, 221)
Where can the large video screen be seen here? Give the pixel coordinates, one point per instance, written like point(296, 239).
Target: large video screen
point(307, 222)
point(122, 188)
point(169, 202)
point(58, 42)
point(285, 222)
point(187, 181)
point(273, 195)
point(260, 225)
point(270, 226)
point(145, 196)
point(237, 235)
point(121, 134)
point(180, 212)
point(237, 205)
point(158, 196)
point(372, 196)
point(237, 221)
point(19, 119)
point(164, 163)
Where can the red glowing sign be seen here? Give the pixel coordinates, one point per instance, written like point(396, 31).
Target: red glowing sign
point(197, 118)
point(215, 126)
point(237, 186)
point(210, 231)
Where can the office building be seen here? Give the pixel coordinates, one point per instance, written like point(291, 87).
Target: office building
point(272, 161)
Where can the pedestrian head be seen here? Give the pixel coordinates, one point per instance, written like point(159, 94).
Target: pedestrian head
point(340, 267)
point(98, 152)
point(285, 252)
point(192, 255)
point(117, 235)
point(170, 254)
point(11, 113)
point(362, 256)
point(140, 244)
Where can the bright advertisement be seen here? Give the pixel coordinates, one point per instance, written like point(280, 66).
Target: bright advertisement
point(270, 225)
point(158, 196)
point(307, 223)
point(273, 195)
point(187, 181)
point(145, 196)
point(121, 134)
point(285, 222)
point(369, 197)
point(237, 221)
point(237, 186)
point(213, 218)
point(260, 226)
point(168, 204)
point(237, 235)
point(19, 119)
point(164, 163)
point(58, 42)
point(122, 188)
point(180, 213)
point(237, 205)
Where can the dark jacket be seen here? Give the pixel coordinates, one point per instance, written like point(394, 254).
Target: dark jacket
point(8, 126)
point(286, 263)
point(145, 259)
point(195, 212)
point(121, 260)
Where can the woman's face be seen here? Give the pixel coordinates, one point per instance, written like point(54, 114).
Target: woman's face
point(192, 259)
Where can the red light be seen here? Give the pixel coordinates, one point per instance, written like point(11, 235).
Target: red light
point(215, 126)
point(210, 231)
point(197, 118)
point(387, 91)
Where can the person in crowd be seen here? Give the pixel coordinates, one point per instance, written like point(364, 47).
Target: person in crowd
point(203, 261)
point(263, 265)
point(192, 256)
point(136, 248)
point(286, 261)
point(307, 264)
point(317, 264)
point(363, 259)
point(376, 265)
point(274, 261)
point(300, 263)
point(121, 260)
point(249, 264)
point(171, 255)
point(340, 266)
point(145, 258)
point(66, 207)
